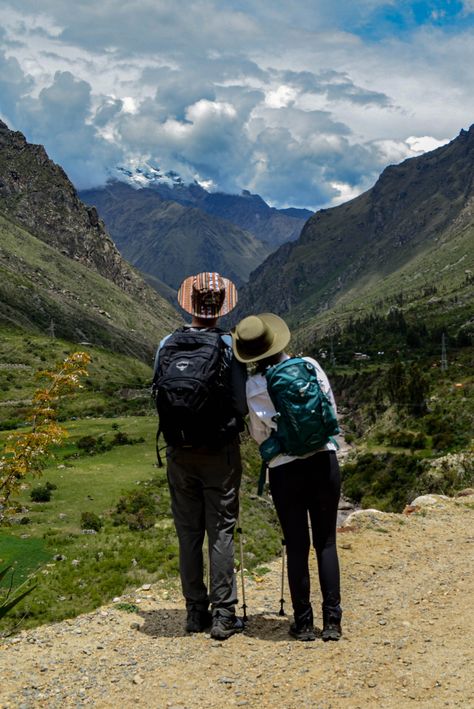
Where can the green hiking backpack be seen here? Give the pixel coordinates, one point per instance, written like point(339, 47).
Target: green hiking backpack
point(305, 417)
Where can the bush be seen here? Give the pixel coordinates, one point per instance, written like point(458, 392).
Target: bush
point(121, 439)
point(138, 509)
point(388, 481)
point(11, 424)
point(91, 445)
point(448, 474)
point(401, 438)
point(41, 493)
point(89, 520)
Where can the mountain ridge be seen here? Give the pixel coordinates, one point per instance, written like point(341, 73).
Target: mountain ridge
point(169, 240)
point(249, 211)
point(56, 258)
point(376, 234)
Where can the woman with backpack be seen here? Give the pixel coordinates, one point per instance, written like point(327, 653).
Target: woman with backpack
point(302, 484)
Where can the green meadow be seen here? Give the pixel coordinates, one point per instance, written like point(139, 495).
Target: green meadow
point(77, 570)
point(108, 456)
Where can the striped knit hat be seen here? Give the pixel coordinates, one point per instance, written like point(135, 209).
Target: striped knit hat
point(207, 295)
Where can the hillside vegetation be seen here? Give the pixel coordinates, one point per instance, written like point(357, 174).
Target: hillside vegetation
point(41, 287)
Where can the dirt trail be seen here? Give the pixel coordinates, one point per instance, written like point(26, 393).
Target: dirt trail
point(408, 635)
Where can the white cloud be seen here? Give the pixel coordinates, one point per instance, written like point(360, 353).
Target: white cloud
point(278, 98)
point(344, 192)
point(129, 104)
point(424, 143)
point(281, 97)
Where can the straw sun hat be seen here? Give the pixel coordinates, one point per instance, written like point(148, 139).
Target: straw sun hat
point(259, 336)
point(207, 295)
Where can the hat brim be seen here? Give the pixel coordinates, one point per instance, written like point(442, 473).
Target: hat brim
point(185, 299)
point(281, 333)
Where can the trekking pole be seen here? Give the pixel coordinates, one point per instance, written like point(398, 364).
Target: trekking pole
point(282, 599)
point(241, 545)
point(207, 562)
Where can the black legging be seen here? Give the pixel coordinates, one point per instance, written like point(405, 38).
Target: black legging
point(310, 485)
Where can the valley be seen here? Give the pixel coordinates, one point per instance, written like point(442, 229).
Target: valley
point(373, 289)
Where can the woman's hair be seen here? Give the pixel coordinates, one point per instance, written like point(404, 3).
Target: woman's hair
point(262, 364)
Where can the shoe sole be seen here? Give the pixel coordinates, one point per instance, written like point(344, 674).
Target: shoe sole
point(225, 634)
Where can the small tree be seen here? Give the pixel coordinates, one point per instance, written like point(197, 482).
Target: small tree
point(396, 384)
point(417, 390)
point(27, 453)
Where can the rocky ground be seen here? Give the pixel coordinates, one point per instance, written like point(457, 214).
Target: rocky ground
point(408, 634)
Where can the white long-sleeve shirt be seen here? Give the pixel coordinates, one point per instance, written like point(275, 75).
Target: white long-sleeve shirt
point(262, 411)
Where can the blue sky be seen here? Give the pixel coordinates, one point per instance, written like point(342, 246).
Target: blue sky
point(304, 103)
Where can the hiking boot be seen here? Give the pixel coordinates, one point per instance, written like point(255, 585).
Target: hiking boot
point(303, 628)
point(198, 621)
point(303, 631)
point(331, 630)
point(223, 626)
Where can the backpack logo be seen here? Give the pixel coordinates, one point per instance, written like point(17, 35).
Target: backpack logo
point(182, 365)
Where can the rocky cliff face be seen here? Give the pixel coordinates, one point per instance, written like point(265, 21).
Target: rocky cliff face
point(37, 194)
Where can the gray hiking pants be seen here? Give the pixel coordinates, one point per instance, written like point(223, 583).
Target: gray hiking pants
point(204, 486)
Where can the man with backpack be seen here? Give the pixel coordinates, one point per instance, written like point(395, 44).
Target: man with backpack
point(199, 389)
point(292, 416)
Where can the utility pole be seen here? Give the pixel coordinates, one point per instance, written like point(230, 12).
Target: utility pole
point(51, 329)
point(444, 359)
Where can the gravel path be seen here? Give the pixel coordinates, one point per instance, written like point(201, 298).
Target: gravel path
point(408, 635)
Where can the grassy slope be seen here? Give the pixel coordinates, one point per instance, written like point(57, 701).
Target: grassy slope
point(446, 266)
point(397, 453)
point(110, 375)
point(38, 284)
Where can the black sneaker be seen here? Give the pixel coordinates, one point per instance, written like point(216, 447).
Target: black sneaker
point(223, 626)
point(198, 621)
point(331, 631)
point(303, 632)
